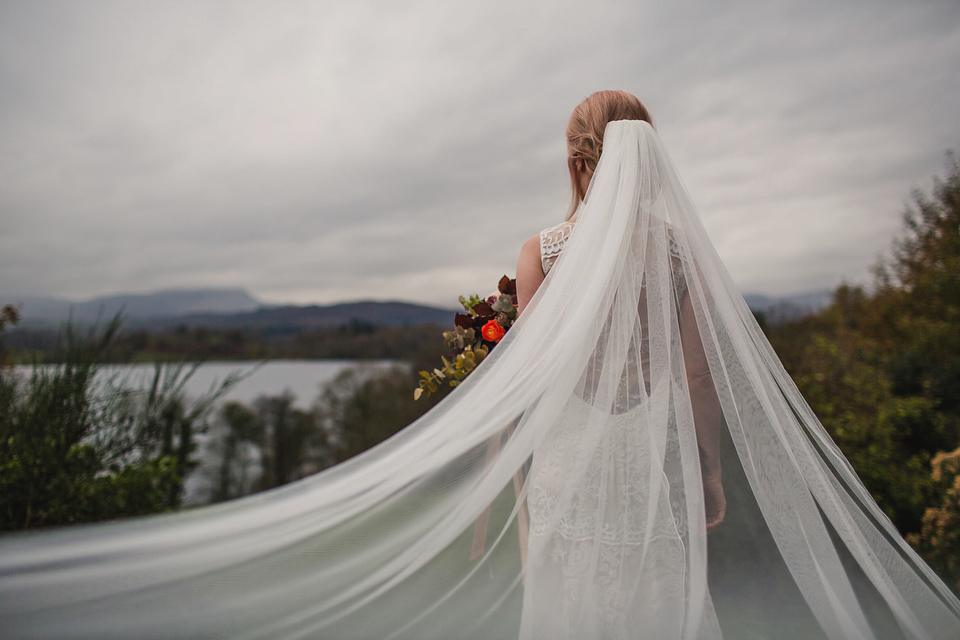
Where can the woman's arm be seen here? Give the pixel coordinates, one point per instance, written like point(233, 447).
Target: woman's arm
point(707, 413)
point(529, 272)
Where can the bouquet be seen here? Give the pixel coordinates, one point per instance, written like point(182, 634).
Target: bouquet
point(475, 333)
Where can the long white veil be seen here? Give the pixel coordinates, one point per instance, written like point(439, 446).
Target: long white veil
point(562, 491)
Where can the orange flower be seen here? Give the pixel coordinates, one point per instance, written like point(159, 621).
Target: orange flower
point(492, 331)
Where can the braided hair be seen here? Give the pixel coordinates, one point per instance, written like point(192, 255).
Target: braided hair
point(585, 134)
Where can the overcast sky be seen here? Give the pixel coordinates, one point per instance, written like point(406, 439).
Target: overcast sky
point(329, 151)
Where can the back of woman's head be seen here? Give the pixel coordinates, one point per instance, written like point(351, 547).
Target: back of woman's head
point(585, 133)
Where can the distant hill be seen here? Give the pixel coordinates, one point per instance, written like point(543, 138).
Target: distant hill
point(787, 307)
point(221, 309)
point(292, 318)
point(175, 302)
point(235, 308)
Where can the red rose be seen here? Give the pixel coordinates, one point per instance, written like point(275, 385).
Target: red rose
point(492, 331)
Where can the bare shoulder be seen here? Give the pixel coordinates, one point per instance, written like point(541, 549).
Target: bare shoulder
point(529, 262)
point(529, 271)
point(531, 248)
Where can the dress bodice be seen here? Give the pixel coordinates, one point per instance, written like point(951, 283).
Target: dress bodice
point(553, 239)
point(631, 391)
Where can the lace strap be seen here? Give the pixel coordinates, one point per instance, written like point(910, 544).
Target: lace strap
point(552, 241)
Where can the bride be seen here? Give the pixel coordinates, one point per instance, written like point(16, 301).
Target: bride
point(625, 589)
point(632, 461)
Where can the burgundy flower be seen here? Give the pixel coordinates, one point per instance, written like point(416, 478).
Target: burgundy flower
point(483, 309)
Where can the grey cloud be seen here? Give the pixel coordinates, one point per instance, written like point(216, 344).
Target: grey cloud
point(316, 152)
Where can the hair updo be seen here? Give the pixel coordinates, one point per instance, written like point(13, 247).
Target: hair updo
point(585, 134)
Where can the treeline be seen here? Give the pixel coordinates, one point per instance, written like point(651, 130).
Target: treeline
point(75, 447)
point(273, 442)
point(881, 369)
point(356, 340)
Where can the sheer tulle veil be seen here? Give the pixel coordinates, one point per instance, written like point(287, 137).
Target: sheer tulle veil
point(562, 491)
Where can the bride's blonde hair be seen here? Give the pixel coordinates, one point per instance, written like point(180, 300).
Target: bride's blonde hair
point(585, 134)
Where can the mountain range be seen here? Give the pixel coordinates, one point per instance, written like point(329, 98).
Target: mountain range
point(218, 308)
point(236, 308)
point(161, 304)
point(787, 307)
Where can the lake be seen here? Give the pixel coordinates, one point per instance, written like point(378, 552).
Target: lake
point(303, 378)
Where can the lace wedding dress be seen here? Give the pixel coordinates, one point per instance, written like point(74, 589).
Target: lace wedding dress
point(563, 490)
point(598, 567)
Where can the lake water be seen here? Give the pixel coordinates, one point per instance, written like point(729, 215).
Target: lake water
point(304, 378)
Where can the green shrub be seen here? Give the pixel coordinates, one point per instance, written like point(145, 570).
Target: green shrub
point(78, 447)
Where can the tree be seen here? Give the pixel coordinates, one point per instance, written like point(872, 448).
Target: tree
point(882, 371)
point(290, 439)
point(76, 446)
point(9, 315)
point(363, 406)
point(920, 282)
point(939, 539)
point(234, 448)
